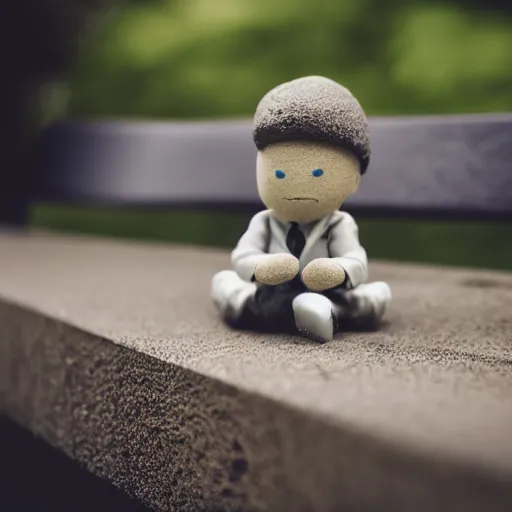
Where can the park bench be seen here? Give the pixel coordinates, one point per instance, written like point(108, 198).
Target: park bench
point(114, 363)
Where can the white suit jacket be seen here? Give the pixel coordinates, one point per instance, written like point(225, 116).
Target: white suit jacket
point(334, 236)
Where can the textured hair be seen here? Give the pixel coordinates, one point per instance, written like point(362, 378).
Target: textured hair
point(313, 108)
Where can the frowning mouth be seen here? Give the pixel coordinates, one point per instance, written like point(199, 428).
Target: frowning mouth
point(301, 199)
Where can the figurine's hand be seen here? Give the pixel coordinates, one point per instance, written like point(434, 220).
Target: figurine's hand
point(277, 269)
point(322, 274)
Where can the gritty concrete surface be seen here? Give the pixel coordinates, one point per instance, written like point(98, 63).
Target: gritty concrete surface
point(113, 352)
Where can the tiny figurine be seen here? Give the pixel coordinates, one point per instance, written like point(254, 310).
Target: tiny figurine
point(299, 267)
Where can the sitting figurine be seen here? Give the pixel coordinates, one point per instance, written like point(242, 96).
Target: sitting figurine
point(299, 267)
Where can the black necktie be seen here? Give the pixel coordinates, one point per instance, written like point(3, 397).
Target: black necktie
point(295, 240)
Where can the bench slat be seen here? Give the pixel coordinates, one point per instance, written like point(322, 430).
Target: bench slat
point(450, 165)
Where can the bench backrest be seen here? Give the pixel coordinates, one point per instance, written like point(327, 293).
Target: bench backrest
point(456, 166)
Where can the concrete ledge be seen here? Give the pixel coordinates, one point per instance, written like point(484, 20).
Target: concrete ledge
point(113, 353)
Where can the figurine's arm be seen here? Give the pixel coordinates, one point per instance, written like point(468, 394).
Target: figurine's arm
point(251, 247)
point(345, 249)
point(347, 265)
point(251, 261)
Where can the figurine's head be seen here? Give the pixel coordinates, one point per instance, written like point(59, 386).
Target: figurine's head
point(312, 140)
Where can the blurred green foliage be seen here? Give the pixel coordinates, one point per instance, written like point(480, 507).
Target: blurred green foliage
point(198, 58)
point(201, 58)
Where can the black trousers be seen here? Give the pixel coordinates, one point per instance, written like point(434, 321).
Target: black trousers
point(270, 308)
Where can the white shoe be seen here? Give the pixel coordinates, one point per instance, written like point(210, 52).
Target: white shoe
point(367, 304)
point(222, 286)
point(229, 293)
point(314, 316)
point(381, 298)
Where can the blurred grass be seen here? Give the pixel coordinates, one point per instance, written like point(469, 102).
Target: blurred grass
point(473, 244)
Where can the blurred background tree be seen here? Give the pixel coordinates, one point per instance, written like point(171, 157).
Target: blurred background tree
point(166, 59)
point(198, 58)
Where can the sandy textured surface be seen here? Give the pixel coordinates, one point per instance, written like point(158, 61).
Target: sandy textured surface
point(434, 384)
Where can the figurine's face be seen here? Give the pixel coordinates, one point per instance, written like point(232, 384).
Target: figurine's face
point(304, 181)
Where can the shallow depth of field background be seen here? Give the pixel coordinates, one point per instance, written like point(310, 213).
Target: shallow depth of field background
point(169, 59)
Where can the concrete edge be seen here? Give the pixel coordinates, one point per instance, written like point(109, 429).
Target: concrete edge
point(175, 439)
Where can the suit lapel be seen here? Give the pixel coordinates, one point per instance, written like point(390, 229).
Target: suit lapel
point(278, 233)
point(315, 234)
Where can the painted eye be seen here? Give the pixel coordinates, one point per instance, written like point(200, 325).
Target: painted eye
point(280, 174)
point(317, 172)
